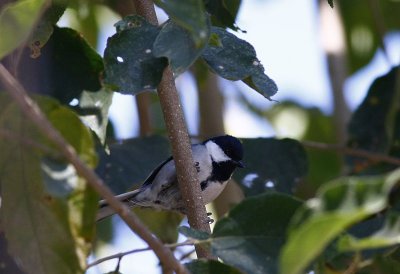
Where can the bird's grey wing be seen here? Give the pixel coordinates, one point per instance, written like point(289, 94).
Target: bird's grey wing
point(153, 174)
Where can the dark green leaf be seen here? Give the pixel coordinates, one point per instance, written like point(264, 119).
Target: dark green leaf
point(374, 124)
point(190, 15)
point(130, 65)
point(223, 12)
point(67, 66)
point(16, 23)
point(235, 59)
point(173, 37)
point(47, 210)
point(336, 206)
point(271, 164)
point(129, 163)
point(210, 267)
point(252, 234)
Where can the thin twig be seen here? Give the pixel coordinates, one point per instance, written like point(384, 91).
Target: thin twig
point(122, 254)
point(377, 157)
point(33, 112)
point(179, 138)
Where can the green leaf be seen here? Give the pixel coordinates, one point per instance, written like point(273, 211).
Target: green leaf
point(337, 205)
point(193, 233)
point(373, 125)
point(210, 267)
point(271, 165)
point(223, 12)
point(129, 163)
point(388, 235)
point(235, 59)
point(163, 224)
point(44, 28)
point(250, 237)
point(66, 66)
point(190, 15)
point(99, 104)
point(173, 37)
point(130, 65)
point(16, 23)
point(47, 210)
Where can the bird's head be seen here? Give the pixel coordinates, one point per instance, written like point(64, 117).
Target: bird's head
point(225, 148)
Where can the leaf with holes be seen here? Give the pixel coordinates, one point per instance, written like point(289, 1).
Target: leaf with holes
point(130, 65)
point(235, 59)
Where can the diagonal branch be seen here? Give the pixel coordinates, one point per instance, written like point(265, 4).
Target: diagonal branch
point(33, 112)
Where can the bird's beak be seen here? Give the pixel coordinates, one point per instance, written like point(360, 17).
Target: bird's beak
point(240, 164)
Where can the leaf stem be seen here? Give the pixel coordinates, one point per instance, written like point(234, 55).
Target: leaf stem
point(33, 112)
point(179, 138)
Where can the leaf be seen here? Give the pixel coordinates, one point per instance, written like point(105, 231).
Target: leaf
point(99, 104)
point(193, 233)
point(190, 15)
point(203, 266)
point(337, 205)
point(235, 59)
point(223, 13)
point(387, 236)
point(130, 65)
point(330, 2)
point(250, 237)
point(47, 211)
point(271, 164)
point(171, 38)
point(162, 224)
point(67, 66)
point(44, 28)
point(372, 126)
point(130, 162)
point(16, 23)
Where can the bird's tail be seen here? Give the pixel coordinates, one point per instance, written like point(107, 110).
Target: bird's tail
point(105, 210)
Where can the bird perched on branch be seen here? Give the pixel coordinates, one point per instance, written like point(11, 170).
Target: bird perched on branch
point(215, 160)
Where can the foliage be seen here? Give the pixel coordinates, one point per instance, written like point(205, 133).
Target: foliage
point(294, 217)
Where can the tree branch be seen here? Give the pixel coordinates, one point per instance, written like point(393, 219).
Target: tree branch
point(33, 112)
point(188, 181)
point(122, 254)
point(377, 157)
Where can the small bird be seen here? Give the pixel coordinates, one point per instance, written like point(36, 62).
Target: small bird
point(215, 160)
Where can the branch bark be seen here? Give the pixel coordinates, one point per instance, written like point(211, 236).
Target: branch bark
point(33, 112)
point(179, 138)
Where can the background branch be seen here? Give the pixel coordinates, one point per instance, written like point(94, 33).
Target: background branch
point(33, 112)
point(179, 138)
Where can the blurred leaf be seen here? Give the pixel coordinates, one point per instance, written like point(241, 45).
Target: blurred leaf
point(362, 35)
point(193, 233)
point(203, 266)
point(382, 265)
point(374, 124)
point(337, 205)
point(130, 65)
point(190, 15)
point(330, 2)
point(173, 37)
point(163, 224)
point(67, 66)
point(388, 235)
point(44, 28)
point(271, 164)
point(251, 236)
point(129, 163)
point(101, 102)
point(235, 59)
point(16, 23)
point(47, 211)
point(223, 13)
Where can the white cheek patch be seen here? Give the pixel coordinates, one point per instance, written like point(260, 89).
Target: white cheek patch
point(216, 152)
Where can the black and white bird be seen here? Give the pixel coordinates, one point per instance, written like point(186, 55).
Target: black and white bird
point(215, 160)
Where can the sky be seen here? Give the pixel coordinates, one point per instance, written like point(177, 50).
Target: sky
point(285, 35)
